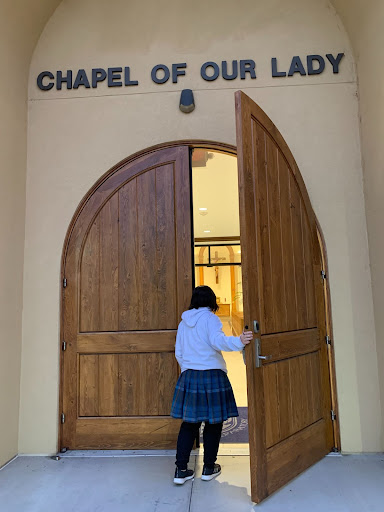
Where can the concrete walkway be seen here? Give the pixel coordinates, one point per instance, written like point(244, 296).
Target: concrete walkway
point(144, 484)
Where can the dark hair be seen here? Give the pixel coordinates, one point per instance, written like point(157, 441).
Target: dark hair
point(203, 297)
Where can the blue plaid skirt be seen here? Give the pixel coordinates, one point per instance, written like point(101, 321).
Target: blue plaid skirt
point(203, 395)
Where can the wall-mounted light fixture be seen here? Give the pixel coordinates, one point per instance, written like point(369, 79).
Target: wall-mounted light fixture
point(187, 102)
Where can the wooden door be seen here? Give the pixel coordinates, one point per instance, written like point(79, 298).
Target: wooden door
point(288, 395)
point(128, 271)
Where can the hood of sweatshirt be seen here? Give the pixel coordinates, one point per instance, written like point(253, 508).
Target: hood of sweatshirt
point(192, 316)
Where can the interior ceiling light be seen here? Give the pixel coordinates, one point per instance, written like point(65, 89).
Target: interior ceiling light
point(207, 231)
point(203, 211)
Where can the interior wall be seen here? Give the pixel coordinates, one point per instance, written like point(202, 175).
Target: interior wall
point(219, 176)
point(75, 136)
point(20, 25)
point(364, 22)
point(222, 289)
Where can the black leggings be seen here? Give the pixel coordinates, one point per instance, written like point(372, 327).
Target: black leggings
point(187, 435)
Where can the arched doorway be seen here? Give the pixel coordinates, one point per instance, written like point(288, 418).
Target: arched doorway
point(127, 269)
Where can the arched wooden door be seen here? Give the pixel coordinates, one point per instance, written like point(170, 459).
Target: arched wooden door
point(128, 274)
point(128, 277)
point(289, 405)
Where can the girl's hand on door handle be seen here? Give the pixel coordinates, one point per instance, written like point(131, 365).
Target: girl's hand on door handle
point(246, 337)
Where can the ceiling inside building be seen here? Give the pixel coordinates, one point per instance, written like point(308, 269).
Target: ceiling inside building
point(215, 195)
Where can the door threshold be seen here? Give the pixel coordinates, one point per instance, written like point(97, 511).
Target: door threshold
point(225, 449)
point(117, 453)
point(228, 449)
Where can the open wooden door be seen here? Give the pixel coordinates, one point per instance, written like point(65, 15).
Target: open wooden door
point(288, 394)
point(128, 278)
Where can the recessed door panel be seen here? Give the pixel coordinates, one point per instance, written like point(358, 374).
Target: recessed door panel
point(288, 392)
point(129, 275)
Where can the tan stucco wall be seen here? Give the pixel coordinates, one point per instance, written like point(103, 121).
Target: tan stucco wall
point(20, 25)
point(364, 22)
point(75, 136)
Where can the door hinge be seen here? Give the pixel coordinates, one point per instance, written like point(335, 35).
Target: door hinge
point(323, 275)
point(62, 417)
point(333, 415)
point(65, 282)
point(64, 346)
point(328, 340)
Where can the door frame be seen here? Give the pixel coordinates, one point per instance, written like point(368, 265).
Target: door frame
point(223, 148)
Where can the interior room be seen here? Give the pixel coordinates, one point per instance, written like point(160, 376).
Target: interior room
point(217, 255)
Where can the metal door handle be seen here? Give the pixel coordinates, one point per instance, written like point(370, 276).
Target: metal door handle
point(258, 357)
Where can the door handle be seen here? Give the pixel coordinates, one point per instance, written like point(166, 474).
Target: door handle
point(265, 357)
point(258, 356)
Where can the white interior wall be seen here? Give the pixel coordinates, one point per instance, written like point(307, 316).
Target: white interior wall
point(215, 187)
point(222, 289)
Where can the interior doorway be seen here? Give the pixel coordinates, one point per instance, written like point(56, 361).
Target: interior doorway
point(217, 262)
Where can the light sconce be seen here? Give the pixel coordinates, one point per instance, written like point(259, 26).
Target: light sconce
point(187, 102)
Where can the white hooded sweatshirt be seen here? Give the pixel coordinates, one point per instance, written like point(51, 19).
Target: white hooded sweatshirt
point(200, 339)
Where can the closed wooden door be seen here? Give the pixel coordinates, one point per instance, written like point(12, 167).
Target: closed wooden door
point(128, 272)
point(288, 393)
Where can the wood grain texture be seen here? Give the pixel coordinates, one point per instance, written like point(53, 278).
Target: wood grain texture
point(148, 317)
point(277, 226)
point(308, 270)
point(90, 282)
point(292, 399)
point(109, 265)
point(129, 341)
point(250, 150)
point(92, 202)
point(298, 256)
point(89, 385)
point(113, 384)
point(289, 282)
point(286, 259)
point(129, 385)
point(166, 248)
point(129, 263)
point(108, 385)
point(277, 250)
point(127, 433)
point(297, 453)
point(290, 344)
point(272, 405)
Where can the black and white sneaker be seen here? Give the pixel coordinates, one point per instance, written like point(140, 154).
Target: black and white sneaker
point(210, 473)
point(182, 475)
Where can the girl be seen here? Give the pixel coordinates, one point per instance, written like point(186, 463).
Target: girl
point(203, 391)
